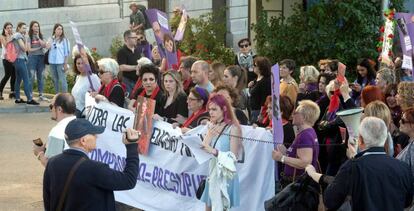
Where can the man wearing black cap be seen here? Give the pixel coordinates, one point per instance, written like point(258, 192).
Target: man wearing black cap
point(74, 182)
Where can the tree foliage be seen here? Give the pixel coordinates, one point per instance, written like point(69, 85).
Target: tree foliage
point(340, 29)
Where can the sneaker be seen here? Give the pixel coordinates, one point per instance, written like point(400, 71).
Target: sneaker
point(32, 102)
point(19, 101)
point(11, 95)
point(43, 98)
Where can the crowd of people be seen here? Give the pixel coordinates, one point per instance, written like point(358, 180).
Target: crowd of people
point(225, 97)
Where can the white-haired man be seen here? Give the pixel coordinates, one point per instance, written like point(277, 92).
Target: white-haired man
point(374, 180)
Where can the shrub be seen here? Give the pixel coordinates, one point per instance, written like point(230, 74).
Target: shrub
point(116, 44)
point(344, 30)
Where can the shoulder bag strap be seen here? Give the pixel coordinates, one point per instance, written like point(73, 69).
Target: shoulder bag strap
point(214, 145)
point(68, 180)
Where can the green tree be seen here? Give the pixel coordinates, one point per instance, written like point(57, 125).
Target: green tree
point(340, 29)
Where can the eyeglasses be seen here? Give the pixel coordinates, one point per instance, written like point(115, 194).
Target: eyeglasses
point(148, 79)
point(244, 46)
point(54, 45)
point(51, 106)
point(193, 99)
point(140, 38)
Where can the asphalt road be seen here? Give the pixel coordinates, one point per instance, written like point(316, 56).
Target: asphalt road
point(21, 174)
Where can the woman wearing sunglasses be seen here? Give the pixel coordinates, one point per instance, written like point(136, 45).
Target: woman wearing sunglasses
point(245, 58)
point(407, 127)
point(111, 89)
point(149, 75)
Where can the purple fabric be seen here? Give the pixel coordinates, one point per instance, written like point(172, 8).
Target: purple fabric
point(305, 139)
point(277, 126)
point(310, 87)
point(160, 20)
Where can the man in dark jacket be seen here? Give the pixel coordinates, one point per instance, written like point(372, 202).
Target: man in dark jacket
point(374, 180)
point(93, 183)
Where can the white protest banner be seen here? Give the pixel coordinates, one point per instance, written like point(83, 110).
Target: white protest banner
point(169, 176)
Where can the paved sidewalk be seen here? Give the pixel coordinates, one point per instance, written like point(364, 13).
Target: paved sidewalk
point(8, 106)
point(21, 174)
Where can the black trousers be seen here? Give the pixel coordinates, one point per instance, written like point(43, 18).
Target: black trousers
point(9, 72)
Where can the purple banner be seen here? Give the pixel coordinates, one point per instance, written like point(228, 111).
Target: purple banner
point(163, 36)
point(276, 116)
point(405, 23)
point(181, 27)
point(82, 52)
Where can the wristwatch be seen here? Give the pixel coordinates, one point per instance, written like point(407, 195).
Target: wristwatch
point(282, 159)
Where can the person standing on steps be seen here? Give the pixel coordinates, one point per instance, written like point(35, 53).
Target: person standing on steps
point(9, 72)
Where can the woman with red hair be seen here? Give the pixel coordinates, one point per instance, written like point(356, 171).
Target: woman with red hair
point(370, 94)
point(223, 136)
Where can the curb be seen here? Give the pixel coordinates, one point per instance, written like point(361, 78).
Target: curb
point(8, 106)
point(24, 109)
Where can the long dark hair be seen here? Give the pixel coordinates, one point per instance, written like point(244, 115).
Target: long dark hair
point(369, 65)
point(31, 30)
point(63, 31)
point(5, 26)
point(241, 74)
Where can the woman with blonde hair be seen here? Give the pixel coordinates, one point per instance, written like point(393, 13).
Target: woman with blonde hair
point(308, 86)
point(305, 148)
point(380, 109)
point(405, 95)
point(385, 76)
point(174, 102)
point(215, 74)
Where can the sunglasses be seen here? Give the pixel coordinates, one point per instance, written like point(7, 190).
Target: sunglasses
point(140, 38)
point(101, 72)
point(244, 46)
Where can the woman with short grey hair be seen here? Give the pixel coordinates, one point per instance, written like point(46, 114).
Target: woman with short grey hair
point(111, 89)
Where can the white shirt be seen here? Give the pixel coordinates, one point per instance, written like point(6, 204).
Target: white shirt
point(58, 132)
point(81, 87)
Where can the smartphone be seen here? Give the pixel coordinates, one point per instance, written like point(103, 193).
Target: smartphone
point(38, 142)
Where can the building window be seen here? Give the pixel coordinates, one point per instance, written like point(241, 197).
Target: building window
point(51, 3)
point(157, 4)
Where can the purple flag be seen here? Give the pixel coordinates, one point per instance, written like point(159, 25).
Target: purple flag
point(276, 116)
point(405, 23)
point(82, 52)
point(163, 36)
point(181, 27)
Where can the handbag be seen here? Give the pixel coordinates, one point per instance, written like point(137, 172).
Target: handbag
point(302, 194)
point(202, 184)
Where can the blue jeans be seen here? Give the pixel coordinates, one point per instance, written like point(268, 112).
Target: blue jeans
point(129, 84)
point(59, 78)
point(36, 67)
point(22, 74)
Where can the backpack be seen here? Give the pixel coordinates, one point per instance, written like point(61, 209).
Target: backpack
point(11, 52)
